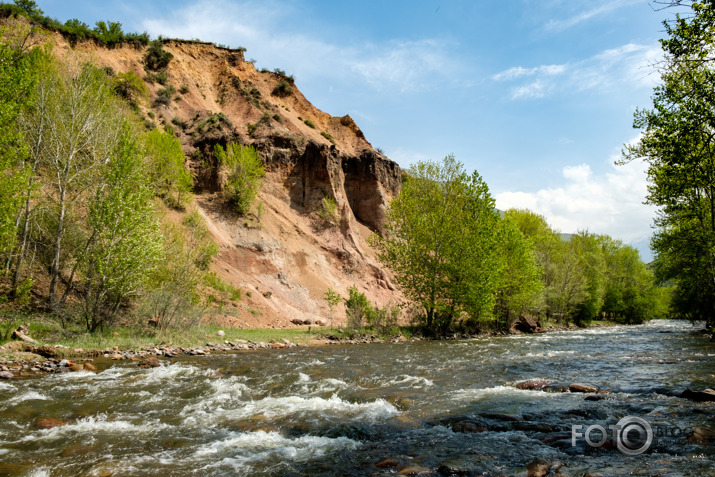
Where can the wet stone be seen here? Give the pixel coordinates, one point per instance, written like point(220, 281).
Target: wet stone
point(48, 423)
point(702, 435)
point(582, 388)
point(387, 463)
point(457, 466)
point(6, 375)
point(414, 470)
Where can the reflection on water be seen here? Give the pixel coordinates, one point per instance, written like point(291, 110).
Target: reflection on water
point(340, 410)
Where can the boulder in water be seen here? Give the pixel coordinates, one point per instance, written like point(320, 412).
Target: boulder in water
point(533, 384)
point(414, 470)
point(582, 388)
point(525, 324)
point(702, 435)
point(150, 362)
point(388, 463)
point(48, 423)
point(707, 395)
point(542, 468)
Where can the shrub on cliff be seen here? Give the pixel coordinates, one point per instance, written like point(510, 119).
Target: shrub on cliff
point(157, 58)
point(245, 171)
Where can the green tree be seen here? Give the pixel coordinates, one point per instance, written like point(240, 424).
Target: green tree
point(592, 263)
point(630, 293)
point(80, 124)
point(15, 86)
point(109, 33)
point(332, 298)
point(678, 144)
point(173, 296)
point(30, 7)
point(358, 309)
point(440, 233)
point(124, 242)
point(520, 288)
point(167, 173)
point(244, 171)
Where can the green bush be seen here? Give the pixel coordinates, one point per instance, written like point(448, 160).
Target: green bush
point(309, 123)
point(328, 211)
point(282, 89)
point(327, 136)
point(164, 95)
point(245, 174)
point(157, 58)
point(358, 309)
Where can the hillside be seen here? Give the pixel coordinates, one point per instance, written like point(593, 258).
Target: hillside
point(282, 258)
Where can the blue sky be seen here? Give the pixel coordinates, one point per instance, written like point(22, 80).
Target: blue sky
point(536, 95)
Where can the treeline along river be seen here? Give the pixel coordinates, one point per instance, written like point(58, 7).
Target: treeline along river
point(445, 407)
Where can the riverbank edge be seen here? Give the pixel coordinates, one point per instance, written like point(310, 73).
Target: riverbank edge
point(22, 359)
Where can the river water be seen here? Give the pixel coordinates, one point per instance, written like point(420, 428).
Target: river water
point(441, 406)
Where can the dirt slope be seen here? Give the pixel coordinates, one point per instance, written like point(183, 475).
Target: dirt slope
point(285, 259)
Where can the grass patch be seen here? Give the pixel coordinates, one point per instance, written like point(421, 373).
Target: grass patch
point(48, 331)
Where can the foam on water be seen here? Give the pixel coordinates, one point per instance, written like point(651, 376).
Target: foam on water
point(27, 396)
point(476, 394)
point(407, 380)
point(272, 408)
point(92, 426)
point(240, 451)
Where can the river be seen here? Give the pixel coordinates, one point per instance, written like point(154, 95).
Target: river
point(441, 406)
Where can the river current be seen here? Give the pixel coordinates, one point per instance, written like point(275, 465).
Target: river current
point(439, 407)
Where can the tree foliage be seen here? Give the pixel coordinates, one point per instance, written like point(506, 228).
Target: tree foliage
point(244, 173)
point(439, 236)
point(678, 144)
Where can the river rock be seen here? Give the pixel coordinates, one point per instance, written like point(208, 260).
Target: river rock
point(76, 367)
point(467, 427)
point(387, 463)
point(525, 324)
point(582, 388)
point(542, 468)
point(556, 388)
point(700, 396)
point(701, 435)
point(221, 333)
point(414, 470)
point(278, 345)
point(500, 417)
point(89, 367)
point(150, 362)
point(6, 375)
point(533, 384)
point(457, 466)
point(46, 350)
point(48, 423)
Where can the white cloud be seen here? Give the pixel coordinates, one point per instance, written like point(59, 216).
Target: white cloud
point(518, 71)
point(609, 203)
point(269, 33)
point(629, 64)
point(563, 24)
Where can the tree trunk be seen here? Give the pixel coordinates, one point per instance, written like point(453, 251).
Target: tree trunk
point(55, 269)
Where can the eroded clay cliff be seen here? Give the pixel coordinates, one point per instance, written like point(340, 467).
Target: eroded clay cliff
point(282, 256)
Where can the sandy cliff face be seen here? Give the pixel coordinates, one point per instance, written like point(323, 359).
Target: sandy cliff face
point(285, 258)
